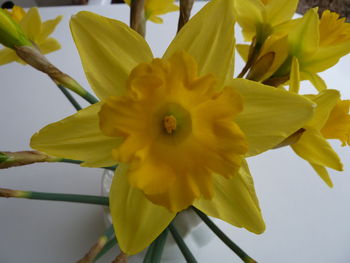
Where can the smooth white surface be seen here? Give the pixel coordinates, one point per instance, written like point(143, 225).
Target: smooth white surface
point(306, 221)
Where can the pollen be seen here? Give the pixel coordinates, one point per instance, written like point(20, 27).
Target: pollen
point(169, 124)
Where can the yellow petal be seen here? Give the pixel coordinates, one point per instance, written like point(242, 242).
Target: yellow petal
point(269, 115)
point(31, 24)
point(153, 8)
point(294, 82)
point(338, 123)
point(326, 57)
point(109, 50)
point(77, 137)
point(136, 220)
point(279, 11)
point(156, 19)
point(209, 41)
point(322, 172)
point(48, 27)
point(315, 80)
point(49, 45)
point(7, 55)
point(249, 13)
point(325, 102)
point(315, 149)
point(17, 13)
point(306, 30)
point(235, 202)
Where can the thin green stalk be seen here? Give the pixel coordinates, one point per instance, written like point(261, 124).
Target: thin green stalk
point(110, 244)
point(36, 59)
point(182, 245)
point(71, 99)
point(90, 98)
point(155, 250)
point(88, 199)
point(75, 198)
point(68, 82)
point(63, 160)
point(109, 232)
point(236, 249)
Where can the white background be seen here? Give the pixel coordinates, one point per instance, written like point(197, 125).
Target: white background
point(306, 221)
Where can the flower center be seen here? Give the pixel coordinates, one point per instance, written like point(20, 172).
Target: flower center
point(169, 124)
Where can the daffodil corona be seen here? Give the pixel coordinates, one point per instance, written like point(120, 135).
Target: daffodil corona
point(179, 127)
point(177, 130)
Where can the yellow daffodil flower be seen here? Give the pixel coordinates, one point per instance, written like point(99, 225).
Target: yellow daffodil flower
point(35, 30)
point(324, 41)
point(155, 8)
point(259, 17)
point(178, 126)
point(331, 121)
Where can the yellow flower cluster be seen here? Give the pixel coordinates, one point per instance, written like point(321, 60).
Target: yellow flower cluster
point(296, 50)
point(180, 127)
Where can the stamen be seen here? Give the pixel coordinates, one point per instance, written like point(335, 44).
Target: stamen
point(169, 124)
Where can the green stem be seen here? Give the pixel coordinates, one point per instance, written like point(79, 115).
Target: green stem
point(71, 99)
point(182, 245)
point(109, 232)
point(236, 249)
point(110, 244)
point(76, 198)
point(155, 250)
point(71, 84)
point(88, 199)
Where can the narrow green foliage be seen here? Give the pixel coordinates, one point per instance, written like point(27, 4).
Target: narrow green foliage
point(110, 244)
point(75, 198)
point(155, 250)
point(69, 97)
point(224, 238)
point(182, 245)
